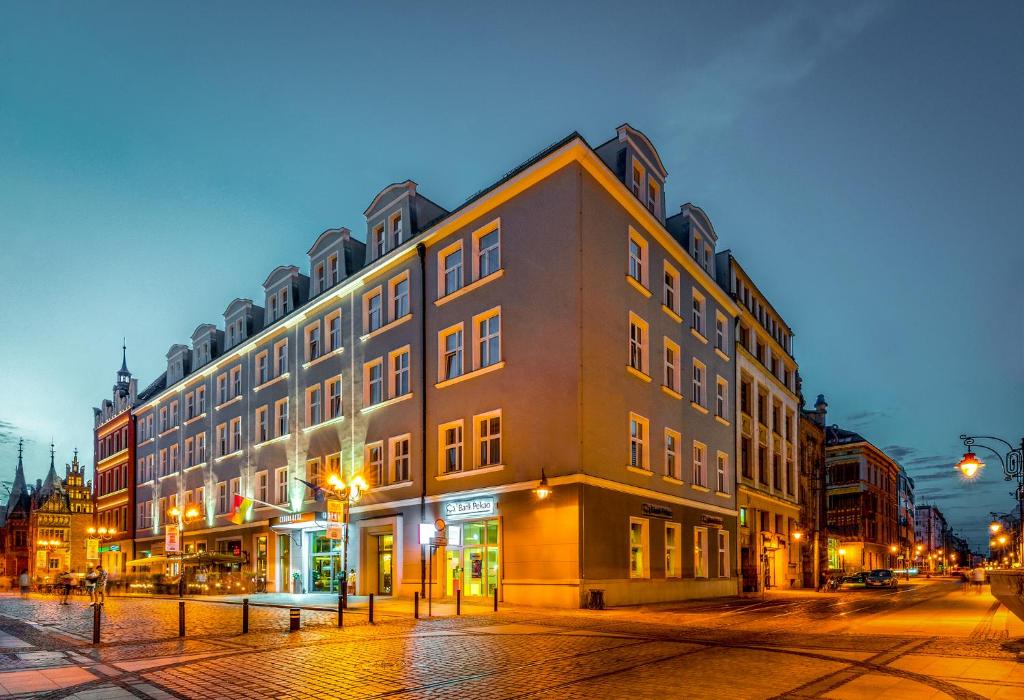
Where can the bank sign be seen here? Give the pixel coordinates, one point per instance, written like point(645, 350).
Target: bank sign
point(471, 508)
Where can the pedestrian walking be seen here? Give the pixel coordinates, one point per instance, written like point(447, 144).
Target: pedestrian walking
point(978, 578)
point(101, 585)
point(64, 586)
point(90, 585)
point(23, 581)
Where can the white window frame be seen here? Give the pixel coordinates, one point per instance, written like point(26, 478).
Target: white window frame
point(399, 305)
point(670, 302)
point(644, 570)
point(635, 264)
point(700, 464)
point(486, 443)
point(722, 472)
point(721, 332)
point(458, 353)
point(399, 371)
point(698, 318)
point(458, 272)
point(699, 383)
point(314, 405)
point(639, 443)
point(281, 412)
point(672, 366)
point(373, 463)
point(281, 484)
point(700, 552)
point(263, 485)
point(724, 561)
point(333, 411)
point(458, 445)
point(722, 397)
point(673, 554)
point(478, 252)
point(369, 382)
point(373, 318)
point(313, 336)
point(394, 475)
point(281, 358)
point(639, 344)
point(332, 341)
point(480, 340)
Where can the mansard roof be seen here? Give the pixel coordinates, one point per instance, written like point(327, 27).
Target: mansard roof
point(201, 330)
point(395, 190)
point(176, 349)
point(239, 305)
point(626, 131)
point(328, 238)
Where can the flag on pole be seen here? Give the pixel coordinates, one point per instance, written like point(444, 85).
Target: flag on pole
point(240, 510)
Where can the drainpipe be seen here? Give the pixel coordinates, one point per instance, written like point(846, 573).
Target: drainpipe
point(421, 251)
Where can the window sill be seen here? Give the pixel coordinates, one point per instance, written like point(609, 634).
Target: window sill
point(672, 392)
point(637, 373)
point(323, 357)
point(194, 418)
point(476, 284)
point(723, 421)
point(383, 329)
point(638, 286)
point(723, 494)
point(672, 480)
point(194, 467)
point(721, 353)
point(275, 380)
point(638, 470)
point(470, 375)
point(146, 442)
point(167, 476)
point(273, 440)
point(672, 314)
point(698, 487)
point(469, 472)
point(228, 403)
point(167, 432)
point(390, 487)
point(321, 424)
point(382, 404)
point(700, 408)
point(698, 335)
point(236, 453)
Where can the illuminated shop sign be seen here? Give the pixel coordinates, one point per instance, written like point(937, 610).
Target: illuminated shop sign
point(473, 507)
point(653, 510)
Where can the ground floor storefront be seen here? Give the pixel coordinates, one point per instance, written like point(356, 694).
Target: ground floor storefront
point(858, 555)
point(771, 542)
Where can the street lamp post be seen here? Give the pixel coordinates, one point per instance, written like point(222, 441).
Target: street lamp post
point(190, 515)
point(349, 494)
point(1013, 469)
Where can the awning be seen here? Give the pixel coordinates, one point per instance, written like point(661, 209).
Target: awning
point(146, 561)
point(307, 520)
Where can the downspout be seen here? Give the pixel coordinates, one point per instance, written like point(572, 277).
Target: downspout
point(421, 251)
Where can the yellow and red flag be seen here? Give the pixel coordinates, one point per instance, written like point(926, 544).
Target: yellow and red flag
point(240, 510)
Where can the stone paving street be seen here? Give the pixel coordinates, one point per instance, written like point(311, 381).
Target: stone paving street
point(924, 640)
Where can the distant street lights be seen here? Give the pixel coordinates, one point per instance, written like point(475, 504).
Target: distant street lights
point(1013, 469)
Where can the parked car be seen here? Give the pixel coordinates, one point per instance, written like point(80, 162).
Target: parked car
point(854, 579)
point(881, 578)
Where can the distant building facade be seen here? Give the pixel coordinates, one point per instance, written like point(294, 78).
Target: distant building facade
point(766, 435)
point(62, 512)
point(558, 325)
point(811, 437)
point(14, 524)
point(931, 532)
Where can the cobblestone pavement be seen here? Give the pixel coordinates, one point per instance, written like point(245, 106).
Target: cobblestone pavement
point(924, 640)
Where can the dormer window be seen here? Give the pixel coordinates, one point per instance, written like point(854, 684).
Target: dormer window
point(698, 250)
point(320, 279)
point(332, 270)
point(273, 308)
point(284, 301)
point(652, 195)
point(396, 230)
point(638, 180)
point(378, 241)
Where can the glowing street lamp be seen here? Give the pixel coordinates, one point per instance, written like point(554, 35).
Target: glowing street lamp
point(543, 490)
point(995, 527)
point(842, 559)
point(349, 494)
point(970, 465)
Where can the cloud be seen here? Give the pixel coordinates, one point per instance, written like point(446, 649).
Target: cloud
point(768, 57)
point(899, 452)
point(8, 433)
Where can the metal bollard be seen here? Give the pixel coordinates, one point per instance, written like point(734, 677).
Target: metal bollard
point(245, 616)
point(181, 618)
point(371, 608)
point(458, 602)
point(293, 620)
point(96, 624)
point(495, 600)
point(416, 605)
point(341, 610)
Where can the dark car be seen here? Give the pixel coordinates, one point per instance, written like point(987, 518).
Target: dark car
point(854, 579)
point(881, 578)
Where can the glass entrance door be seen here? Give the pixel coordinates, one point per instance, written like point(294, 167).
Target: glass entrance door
point(385, 557)
point(325, 564)
point(480, 558)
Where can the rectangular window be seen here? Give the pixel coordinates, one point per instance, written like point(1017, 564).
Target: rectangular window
point(281, 357)
point(673, 565)
point(722, 399)
point(332, 270)
point(173, 453)
point(190, 406)
point(451, 447)
point(201, 400)
point(333, 464)
point(488, 439)
point(222, 440)
point(398, 293)
point(314, 413)
point(314, 475)
point(399, 363)
point(262, 424)
point(333, 323)
point(637, 257)
point(638, 456)
point(637, 343)
point(450, 344)
point(281, 417)
point(697, 319)
point(396, 230)
point(320, 278)
point(313, 345)
point(722, 485)
point(670, 294)
point(200, 448)
point(163, 419)
point(263, 486)
point(672, 466)
point(333, 397)
point(262, 368)
point(487, 332)
point(652, 195)
point(373, 378)
point(723, 553)
point(236, 381)
point(190, 452)
point(236, 434)
point(378, 241)
point(236, 487)
point(372, 312)
point(451, 269)
point(639, 545)
point(672, 365)
point(700, 467)
point(486, 251)
point(699, 396)
point(222, 497)
point(399, 448)
point(720, 332)
point(373, 463)
point(281, 484)
point(700, 552)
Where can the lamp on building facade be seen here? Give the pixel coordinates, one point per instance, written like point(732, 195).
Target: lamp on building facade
point(543, 490)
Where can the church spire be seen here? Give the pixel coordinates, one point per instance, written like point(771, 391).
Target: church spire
point(124, 376)
point(124, 357)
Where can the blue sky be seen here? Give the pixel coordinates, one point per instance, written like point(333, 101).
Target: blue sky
point(862, 160)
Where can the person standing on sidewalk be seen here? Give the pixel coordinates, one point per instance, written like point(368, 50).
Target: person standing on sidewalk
point(90, 585)
point(23, 582)
point(64, 583)
point(101, 585)
point(978, 578)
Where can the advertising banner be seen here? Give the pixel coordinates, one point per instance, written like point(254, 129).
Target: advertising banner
point(171, 542)
point(92, 548)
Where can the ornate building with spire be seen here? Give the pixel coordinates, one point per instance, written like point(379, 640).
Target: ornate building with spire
point(14, 524)
point(62, 512)
point(114, 455)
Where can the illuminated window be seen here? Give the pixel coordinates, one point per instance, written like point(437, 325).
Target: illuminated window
point(399, 449)
point(700, 552)
point(638, 450)
point(673, 565)
point(378, 241)
point(652, 195)
point(450, 441)
point(639, 544)
point(723, 553)
point(450, 348)
point(638, 180)
point(488, 439)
